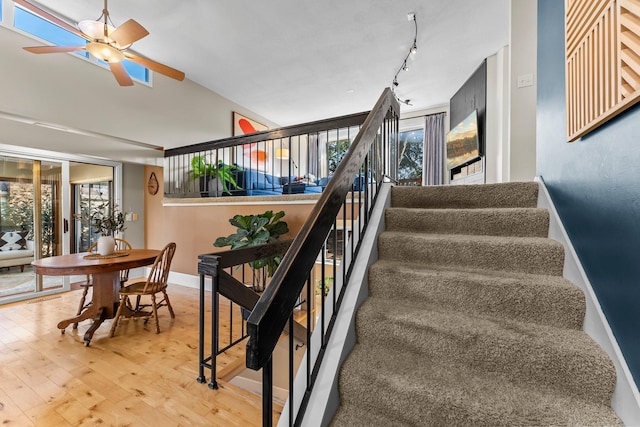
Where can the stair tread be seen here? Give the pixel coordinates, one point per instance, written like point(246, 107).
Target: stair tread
point(545, 299)
point(414, 389)
point(527, 240)
point(481, 221)
point(512, 194)
point(526, 254)
point(477, 273)
point(567, 359)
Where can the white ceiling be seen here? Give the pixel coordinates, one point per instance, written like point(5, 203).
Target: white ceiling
point(293, 61)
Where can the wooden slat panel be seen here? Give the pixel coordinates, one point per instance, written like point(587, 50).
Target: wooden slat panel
point(602, 42)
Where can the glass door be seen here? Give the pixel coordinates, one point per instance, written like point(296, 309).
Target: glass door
point(88, 198)
point(31, 224)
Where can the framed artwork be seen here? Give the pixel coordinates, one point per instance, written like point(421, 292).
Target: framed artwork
point(243, 125)
point(255, 154)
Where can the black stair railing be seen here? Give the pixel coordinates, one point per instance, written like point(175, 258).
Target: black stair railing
point(230, 279)
point(345, 204)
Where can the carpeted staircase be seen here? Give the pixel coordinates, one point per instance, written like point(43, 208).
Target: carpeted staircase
point(469, 321)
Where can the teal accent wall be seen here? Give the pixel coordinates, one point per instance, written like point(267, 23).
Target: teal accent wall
point(595, 185)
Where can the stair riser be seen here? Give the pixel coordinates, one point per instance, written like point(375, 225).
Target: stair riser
point(539, 257)
point(561, 307)
point(510, 195)
point(496, 222)
point(518, 356)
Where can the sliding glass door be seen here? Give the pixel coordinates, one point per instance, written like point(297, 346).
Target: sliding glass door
point(31, 224)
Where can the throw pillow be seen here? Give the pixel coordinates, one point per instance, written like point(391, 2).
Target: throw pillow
point(13, 240)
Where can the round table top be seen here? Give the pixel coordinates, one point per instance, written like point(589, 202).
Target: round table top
point(63, 265)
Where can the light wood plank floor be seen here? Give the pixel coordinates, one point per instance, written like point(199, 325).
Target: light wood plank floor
point(136, 378)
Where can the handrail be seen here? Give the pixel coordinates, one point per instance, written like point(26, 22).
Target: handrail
point(269, 317)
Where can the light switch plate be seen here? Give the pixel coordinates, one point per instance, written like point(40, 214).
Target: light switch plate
point(525, 80)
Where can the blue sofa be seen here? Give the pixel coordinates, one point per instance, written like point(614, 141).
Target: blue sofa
point(262, 184)
point(255, 183)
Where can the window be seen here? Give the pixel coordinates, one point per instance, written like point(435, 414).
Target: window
point(411, 148)
point(33, 24)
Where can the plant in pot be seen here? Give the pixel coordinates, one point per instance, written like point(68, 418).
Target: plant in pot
point(107, 220)
point(214, 180)
point(254, 230)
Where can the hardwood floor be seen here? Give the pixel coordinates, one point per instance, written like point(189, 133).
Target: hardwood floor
point(136, 378)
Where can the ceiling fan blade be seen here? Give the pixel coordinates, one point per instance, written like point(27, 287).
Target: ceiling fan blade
point(155, 66)
point(129, 32)
point(53, 49)
point(120, 74)
point(49, 17)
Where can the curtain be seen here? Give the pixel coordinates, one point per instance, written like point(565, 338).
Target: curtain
point(434, 149)
point(312, 155)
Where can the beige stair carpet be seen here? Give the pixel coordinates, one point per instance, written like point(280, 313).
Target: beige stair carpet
point(469, 321)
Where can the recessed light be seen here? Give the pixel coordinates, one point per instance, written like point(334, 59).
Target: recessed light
point(351, 91)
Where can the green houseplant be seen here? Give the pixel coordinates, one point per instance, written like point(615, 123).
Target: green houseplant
point(254, 230)
point(214, 179)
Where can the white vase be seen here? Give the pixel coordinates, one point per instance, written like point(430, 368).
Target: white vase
point(106, 245)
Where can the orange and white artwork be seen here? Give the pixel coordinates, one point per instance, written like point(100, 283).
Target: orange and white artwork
point(253, 155)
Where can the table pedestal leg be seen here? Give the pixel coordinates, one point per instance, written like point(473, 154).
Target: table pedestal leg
point(100, 316)
point(87, 314)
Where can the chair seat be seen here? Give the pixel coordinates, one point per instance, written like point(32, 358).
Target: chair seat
point(137, 288)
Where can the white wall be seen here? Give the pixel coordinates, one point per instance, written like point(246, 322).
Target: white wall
point(522, 124)
point(497, 130)
point(103, 119)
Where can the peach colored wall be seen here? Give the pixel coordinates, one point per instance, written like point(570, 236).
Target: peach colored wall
point(195, 228)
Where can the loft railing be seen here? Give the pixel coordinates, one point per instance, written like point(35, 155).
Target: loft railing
point(289, 160)
point(349, 197)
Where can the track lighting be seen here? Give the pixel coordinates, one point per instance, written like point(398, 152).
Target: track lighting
point(412, 51)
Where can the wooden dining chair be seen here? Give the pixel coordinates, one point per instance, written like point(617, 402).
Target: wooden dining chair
point(121, 245)
point(155, 283)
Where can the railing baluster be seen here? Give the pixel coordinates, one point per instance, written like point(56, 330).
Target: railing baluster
point(267, 393)
point(291, 371)
point(215, 322)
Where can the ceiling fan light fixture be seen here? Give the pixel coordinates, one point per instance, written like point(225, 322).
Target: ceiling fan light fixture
point(104, 52)
point(94, 30)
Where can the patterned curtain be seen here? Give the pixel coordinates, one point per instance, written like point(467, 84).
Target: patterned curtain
point(434, 149)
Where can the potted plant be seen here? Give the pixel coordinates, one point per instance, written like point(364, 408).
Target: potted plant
point(254, 230)
point(107, 220)
point(214, 179)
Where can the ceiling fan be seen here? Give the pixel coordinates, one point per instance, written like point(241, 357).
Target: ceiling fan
point(105, 42)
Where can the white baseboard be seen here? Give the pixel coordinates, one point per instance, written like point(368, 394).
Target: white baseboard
point(626, 399)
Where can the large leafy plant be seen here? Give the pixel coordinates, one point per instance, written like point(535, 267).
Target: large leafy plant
point(255, 230)
point(225, 173)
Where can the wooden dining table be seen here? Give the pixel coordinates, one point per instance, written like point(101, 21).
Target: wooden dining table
point(106, 280)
